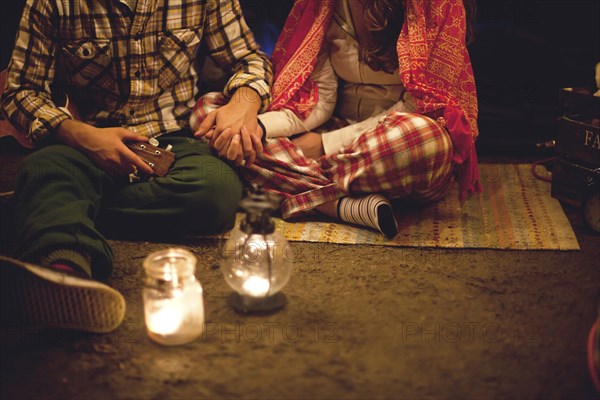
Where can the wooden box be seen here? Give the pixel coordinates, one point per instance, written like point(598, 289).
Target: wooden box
point(576, 175)
point(578, 135)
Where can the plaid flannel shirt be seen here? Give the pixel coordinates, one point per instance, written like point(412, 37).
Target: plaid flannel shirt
point(137, 69)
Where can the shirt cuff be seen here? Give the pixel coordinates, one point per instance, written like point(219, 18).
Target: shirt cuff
point(246, 80)
point(46, 123)
point(263, 138)
point(279, 123)
point(334, 141)
point(331, 144)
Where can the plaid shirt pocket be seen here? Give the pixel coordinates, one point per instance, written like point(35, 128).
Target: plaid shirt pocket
point(177, 52)
point(89, 63)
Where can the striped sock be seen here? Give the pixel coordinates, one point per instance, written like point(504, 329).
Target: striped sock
point(371, 210)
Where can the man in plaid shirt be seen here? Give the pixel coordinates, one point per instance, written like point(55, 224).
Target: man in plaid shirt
point(131, 68)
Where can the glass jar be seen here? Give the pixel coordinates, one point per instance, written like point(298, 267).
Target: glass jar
point(256, 264)
point(256, 260)
point(173, 305)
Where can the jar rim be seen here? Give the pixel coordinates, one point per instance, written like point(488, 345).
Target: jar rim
point(170, 264)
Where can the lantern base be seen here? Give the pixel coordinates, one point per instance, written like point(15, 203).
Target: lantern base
point(256, 305)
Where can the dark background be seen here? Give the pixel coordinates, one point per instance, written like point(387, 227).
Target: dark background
point(524, 52)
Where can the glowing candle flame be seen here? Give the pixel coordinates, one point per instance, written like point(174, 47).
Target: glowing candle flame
point(166, 320)
point(256, 286)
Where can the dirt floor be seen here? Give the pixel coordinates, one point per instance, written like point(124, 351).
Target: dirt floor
point(362, 322)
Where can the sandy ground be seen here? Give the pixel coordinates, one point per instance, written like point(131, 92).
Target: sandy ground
point(362, 322)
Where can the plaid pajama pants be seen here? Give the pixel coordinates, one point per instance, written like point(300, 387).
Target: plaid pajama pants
point(405, 156)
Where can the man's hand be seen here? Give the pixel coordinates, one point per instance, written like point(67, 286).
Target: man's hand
point(233, 129)
point(104, 146)
point(311, 145)
point(241, 147)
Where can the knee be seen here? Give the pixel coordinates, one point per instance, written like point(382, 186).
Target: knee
point(210, 206)
point(421, 134)
point(220, 203)
point(49, 163)
point(41, 157)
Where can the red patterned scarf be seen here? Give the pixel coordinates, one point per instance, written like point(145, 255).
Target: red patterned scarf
point(435, 69)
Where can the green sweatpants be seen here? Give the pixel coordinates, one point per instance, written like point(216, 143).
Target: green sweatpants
point(62, 199)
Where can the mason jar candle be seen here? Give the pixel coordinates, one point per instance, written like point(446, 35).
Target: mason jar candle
point(173, 305)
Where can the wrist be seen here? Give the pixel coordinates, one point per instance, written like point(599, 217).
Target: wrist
point(248, 97)
point(63, 131)
point(263, 137)
point(68, 131)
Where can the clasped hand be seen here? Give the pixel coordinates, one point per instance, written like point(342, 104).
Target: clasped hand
point(233, 131)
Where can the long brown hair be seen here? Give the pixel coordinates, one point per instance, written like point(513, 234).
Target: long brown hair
point(384, 20)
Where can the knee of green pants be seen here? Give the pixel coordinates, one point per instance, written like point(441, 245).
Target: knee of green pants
point(58, 154)
point(199, 195)
point(211, 209)
point(58, 162)
point(204, 190)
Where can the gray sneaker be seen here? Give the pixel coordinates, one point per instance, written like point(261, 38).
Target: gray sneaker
point(42, 297)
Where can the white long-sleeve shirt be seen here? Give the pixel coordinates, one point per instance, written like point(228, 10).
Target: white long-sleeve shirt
point(347, 89)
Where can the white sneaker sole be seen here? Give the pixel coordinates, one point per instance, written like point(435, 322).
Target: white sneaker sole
point(47, 299)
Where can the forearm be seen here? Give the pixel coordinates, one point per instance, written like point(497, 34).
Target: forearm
point(232, 46)
point(282, 123)
point(334, 141)
point(27, 99)
point(285, 123)
point(248, 98)
point(71, 133)
point(33, 113)
point(253, 72)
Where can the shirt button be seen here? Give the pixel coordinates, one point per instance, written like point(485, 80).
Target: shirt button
point(137, 74)
point(131, 112)
point(138, 36)
point(85, 52)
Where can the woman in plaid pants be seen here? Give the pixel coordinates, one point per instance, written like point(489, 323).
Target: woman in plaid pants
point(371, 102)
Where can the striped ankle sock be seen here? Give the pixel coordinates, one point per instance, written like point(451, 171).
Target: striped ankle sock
point(371, 210)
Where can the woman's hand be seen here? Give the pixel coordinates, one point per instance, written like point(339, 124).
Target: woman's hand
point(104, 146)
point(232, 130)
point(311, 145)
